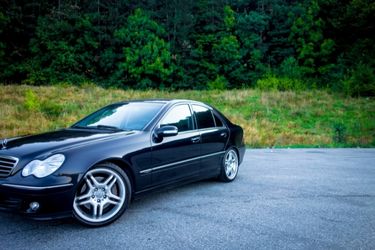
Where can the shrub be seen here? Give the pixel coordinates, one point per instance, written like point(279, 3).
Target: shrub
point(360, 81)
point(289, 68)
point(339, 130)
point(31, 101)
point(272, 82)
point(49, 108)
point(219, 83)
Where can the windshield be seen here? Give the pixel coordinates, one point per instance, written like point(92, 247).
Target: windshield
point(122, 116)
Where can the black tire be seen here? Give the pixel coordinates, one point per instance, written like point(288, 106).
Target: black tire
point(102, 196)
point(229, 166)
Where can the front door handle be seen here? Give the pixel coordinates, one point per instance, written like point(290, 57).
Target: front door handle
point(223, 134)
point(195, 139)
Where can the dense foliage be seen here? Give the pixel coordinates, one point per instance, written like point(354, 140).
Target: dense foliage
point(203, 44)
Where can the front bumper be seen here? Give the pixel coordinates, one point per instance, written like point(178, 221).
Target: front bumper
point(54, 201)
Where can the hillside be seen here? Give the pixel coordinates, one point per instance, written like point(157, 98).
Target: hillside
point(269, 119)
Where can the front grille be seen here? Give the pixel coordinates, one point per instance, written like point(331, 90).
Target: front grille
point(7, 163)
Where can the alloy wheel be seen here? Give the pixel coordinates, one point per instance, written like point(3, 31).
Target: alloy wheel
point(101, 196)
point(231, 164)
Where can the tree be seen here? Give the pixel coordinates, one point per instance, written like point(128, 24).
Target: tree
point(199, 66)
point(188, 44)
point(3, 22)
point(147, 60)
point(226, 51)
point(63, 49)
point(251, 28)
point(313, 48)
point(280, 20)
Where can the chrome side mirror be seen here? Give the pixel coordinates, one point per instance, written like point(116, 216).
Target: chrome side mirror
point(165, 131)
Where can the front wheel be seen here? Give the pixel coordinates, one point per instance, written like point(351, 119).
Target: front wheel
point(229, 168)
point(102, 196)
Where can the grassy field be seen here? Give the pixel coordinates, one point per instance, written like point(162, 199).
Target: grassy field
point(269, 119)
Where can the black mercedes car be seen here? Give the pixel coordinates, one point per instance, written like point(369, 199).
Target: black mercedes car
point(93, 169)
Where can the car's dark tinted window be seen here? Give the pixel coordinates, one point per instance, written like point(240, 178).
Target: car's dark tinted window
point(218, 122)
point(127, 116)
point(204, 117)
point(180, 116)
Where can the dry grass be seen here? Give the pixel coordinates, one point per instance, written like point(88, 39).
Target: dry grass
point(269, 119)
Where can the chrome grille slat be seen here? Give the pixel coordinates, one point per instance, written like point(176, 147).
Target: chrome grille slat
point(6, 167)
point(7, 163)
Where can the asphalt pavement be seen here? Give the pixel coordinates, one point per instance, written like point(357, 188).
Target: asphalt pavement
point(281, 199)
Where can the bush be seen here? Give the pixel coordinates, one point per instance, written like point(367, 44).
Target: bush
point(272, 82)
point(339, 135)
point(289, 68)
point(360, 81)
point(49, 108)
point(219, 83)
point(31, 101)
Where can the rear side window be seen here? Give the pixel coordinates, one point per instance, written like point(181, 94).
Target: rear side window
point(218, 122)
point(204, 117)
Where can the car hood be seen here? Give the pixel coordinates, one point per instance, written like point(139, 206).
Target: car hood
point(55, 141)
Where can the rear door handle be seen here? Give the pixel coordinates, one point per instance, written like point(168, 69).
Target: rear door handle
point(223, 134)
point(195, 139)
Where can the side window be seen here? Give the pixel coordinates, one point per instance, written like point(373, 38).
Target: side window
point(218, 122)
point(204, 117)
point(179, 116)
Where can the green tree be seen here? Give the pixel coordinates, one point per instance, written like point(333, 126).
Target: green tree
point(3, 22)
point(189, 44)
point(63, 50)
point(226, 51)
point(277, 44)
point(147, 60)
point(251, 28)
point(313, 48)
point(352, 28)
point(200, 67)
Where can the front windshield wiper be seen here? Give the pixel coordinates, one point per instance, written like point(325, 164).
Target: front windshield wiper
point(108, 127)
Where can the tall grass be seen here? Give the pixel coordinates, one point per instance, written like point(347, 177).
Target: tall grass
point(269, 118)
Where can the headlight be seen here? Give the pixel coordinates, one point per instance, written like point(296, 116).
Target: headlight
point(43, 168)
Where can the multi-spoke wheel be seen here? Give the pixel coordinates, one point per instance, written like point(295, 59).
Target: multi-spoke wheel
point(229, 168)
point(102, 196)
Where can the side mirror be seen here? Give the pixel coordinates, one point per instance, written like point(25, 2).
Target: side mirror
point(165, 131)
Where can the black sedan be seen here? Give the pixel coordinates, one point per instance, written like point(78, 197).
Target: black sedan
point(93, 169)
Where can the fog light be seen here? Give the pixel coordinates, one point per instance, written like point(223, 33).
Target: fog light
point(34, 206)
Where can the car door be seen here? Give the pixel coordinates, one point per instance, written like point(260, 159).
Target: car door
point(214, 137)
point(176, 157)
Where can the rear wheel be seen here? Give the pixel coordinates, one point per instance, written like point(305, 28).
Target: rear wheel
point(229, 168)
point(102, 196)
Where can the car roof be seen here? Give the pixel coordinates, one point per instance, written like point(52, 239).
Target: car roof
point(165, 101)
